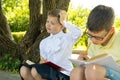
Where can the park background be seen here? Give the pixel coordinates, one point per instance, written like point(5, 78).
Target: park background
point(17, 15)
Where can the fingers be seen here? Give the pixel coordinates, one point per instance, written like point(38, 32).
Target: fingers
point(63, 17)
point(83, 57)
point(43, 60)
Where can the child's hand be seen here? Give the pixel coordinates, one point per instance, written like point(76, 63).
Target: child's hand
point(63, 17)
point(83, 57)
point(43, 60)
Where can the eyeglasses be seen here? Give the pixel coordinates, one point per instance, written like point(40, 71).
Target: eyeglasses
point(97, 37)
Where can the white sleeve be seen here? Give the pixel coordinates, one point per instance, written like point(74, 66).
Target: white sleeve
point(41, 48)
point(74, 31)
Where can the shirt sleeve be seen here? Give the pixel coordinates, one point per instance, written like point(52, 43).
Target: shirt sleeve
point(74, 32)
point(41, 48)
point(91, 48)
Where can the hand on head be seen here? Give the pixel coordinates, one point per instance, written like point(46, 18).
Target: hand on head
point(63, 17)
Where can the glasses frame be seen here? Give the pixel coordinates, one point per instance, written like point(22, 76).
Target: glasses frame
point(97, 37)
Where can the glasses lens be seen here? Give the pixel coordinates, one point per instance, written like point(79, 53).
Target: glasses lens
point(96, 37)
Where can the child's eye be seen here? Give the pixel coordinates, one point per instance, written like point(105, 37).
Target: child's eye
point(47, 21)
point(52, 23)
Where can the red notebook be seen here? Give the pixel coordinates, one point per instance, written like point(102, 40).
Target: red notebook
point(54, 66)
point(48, 63)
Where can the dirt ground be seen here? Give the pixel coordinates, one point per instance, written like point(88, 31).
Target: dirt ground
point(9, 76)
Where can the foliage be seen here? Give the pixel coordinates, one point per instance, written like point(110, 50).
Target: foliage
point(8, 63)
point(18, 36)
point(17, 14)
point(78, 17)
point(117, 23)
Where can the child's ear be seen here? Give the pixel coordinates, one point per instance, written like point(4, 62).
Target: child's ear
point(112, 30)
point(64, 29)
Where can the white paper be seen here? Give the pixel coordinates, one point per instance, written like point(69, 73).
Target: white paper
point(29, 62)
point(105, 61)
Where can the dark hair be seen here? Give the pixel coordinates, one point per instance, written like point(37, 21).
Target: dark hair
point(101, 18)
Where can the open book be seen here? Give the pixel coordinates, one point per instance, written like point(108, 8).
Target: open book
point(102, 59)
point(48, 63)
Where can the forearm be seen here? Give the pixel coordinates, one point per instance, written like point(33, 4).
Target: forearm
point(75, 51)
point(73, 29)
point(81, 53)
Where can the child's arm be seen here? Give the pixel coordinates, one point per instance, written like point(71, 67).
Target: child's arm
point(76, 51)
point(74, 31)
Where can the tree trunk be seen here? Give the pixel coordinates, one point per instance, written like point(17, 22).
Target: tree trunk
point(28, 48)
point(4, 27)
point(6, 42)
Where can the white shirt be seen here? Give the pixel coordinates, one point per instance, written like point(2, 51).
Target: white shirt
point(58, 48)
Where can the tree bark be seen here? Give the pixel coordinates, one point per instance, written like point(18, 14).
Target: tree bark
point(4, 27)
point(6, 42)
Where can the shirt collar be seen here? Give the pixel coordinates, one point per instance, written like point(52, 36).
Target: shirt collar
point(111, 41)
point(58, 35)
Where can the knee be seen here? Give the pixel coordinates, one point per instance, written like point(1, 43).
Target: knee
point(95, 71)
point(76, 71)
point(24, 71)
point(77, 74)
point(34, 72)
point(91, 69)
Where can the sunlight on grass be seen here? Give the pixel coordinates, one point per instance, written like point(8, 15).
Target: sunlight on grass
point(17, 36)
point(18, 33)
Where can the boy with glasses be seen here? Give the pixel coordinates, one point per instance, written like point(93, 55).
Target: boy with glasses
point(103, 39)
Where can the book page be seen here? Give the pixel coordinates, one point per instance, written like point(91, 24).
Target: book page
point(77, 62)
point(104, 61)
point(98, 56)
point(29, 62)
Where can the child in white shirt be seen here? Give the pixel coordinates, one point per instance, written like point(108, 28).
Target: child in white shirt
point(56, 48)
